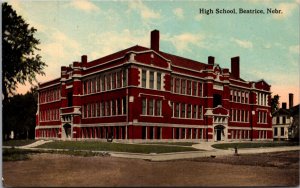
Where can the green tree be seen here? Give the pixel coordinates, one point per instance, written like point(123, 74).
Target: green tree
point(20, 63)
point(19, 115)
point(275, 103)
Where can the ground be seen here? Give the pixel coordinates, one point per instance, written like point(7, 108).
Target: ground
point(268, 169)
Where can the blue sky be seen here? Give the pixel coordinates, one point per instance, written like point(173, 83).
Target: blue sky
point(268, 44)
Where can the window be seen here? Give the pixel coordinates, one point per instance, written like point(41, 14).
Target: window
point(124, 105)
point(107, 108)
point(243, 97)
point(234, 96)
point(98, 84)
point(177, 85)
point(124, 78)
point(93, 110)
point(144, 78)
point(195, 111)
point(200, 112)
point(277, 119)
point(158, 107)
point(238, 96)
point(103, 83)
point(231, 92)
point(177, 110)
point(88, 110)
point(93, 85)
point(151, 84)
point(281, 131)
point(88, 87)
point(183, 110)
point(283, 119)
point(189, 87)
point(242, 115)
point(200, 90)
point(119, 108)
point(144, 108)
point(189, 109)
point(113, 80)
point(113, 107)
point(217, 100)
point(70, 99)
point(151, 101)
point(158, 85)
point(194, 88)
point(98, 109)
point(108, 82)
point(102, 109)
point(119, 79)
point(275, 131)
point(183, 86)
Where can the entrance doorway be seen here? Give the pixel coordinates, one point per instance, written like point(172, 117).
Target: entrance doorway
point(67, 128)
point(219, 133)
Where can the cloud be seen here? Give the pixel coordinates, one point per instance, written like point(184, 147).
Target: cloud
point(144, 11)
point(183, 41)
point(84, 5)
point(243, 43)
point(118, 40)
point(178, 12)
point(59, 50)
point(294, 49)
point(286, 8)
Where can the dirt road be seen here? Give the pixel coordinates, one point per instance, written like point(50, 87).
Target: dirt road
point(276, 169)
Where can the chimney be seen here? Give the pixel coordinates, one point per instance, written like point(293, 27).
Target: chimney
point(84, 59)
point(291, 100)
point(155, 40)
point(283, 106)
point(211, 60)
point(235, 67)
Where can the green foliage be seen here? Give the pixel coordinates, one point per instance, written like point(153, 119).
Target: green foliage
point(105, 146)
point(20, 62)
point(254, 145)
point(19, 115)
point(275, 103)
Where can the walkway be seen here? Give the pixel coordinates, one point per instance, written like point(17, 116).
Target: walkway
point(207, 151)
point(35, 144)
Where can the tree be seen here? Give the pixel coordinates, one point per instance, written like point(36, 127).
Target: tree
point(19, 115)
point(20, 63)
point(275, 103)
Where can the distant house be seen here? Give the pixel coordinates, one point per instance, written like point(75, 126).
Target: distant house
point(281, 123)
point(286, 121)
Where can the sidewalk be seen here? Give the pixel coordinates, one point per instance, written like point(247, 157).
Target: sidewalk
point(35, 144)
point(196, 154)
point(206, 151)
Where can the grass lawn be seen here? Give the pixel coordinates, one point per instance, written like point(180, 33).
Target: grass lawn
point(16, 154)
point(172, 143)
point(254, 144)
point(105, 146)
point(17, 142)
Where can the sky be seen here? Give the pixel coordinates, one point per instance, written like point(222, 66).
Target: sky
point(268, 44)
